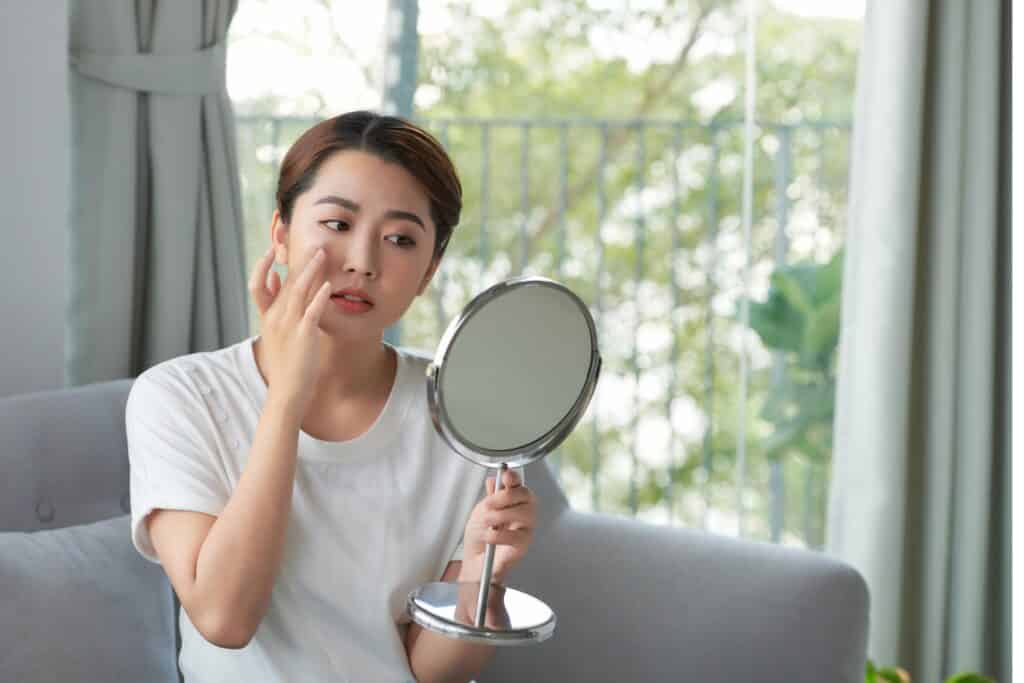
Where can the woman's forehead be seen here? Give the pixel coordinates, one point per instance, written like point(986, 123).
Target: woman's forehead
point(362, 177)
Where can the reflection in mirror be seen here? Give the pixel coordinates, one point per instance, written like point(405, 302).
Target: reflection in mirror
point(495, 616)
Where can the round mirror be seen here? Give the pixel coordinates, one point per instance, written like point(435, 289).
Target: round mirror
point(514, 373)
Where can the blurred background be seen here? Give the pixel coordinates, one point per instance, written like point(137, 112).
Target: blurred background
point(601, 144)
point(712, 177)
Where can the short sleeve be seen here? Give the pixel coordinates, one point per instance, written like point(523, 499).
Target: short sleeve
point(457, 555)
point(172, 453)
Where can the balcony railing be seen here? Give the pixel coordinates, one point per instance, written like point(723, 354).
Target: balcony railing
point(642, 219)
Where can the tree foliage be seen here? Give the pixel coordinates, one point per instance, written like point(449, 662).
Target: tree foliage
point(601, 144)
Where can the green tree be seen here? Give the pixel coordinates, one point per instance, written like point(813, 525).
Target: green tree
point(655, 208)
point(545, 60)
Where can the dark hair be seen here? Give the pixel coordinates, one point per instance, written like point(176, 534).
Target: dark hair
point(390, 138)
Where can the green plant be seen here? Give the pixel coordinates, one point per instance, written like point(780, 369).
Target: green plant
point(897, 675)
point(800, 319)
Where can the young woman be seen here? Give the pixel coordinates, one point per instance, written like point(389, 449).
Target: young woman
point(292, 485)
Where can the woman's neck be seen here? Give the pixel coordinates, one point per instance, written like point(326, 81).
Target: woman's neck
point(349, 370)
point(353, 370)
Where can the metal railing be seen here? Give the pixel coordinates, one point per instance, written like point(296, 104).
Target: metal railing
point(640, 218)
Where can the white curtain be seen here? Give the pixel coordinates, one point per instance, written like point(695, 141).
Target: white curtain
point(157, 265)
point(920, 497)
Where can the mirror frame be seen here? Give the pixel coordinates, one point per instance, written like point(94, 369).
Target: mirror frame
point(527, 453)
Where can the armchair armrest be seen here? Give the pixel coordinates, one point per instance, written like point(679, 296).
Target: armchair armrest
point(636, 602)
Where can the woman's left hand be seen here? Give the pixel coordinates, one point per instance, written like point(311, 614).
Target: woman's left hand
point(507, 519)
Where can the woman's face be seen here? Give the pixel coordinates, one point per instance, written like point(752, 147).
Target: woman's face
point(372, 218)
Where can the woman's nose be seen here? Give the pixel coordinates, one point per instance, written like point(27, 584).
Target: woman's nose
point(361, 256)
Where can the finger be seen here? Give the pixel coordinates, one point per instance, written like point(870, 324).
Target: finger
point(273, 289)
point(274, 285)
point(258, 282)
point(511, 518)
point(316, 307)
point(506, 537)
point(299, 295)
point(309, 281)
point(510, 480)
point(521, 516)
point(505, 498)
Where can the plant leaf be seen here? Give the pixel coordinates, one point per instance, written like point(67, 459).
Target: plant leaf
point(821, 334)
point(779, 325)
point(894, 674)
point(829, 278)
point(970, 678)
point(793, 284)
point(817, 402)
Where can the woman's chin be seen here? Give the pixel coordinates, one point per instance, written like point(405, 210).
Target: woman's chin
point(342, 329)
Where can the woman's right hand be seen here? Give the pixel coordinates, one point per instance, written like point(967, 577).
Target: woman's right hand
point(290, 327)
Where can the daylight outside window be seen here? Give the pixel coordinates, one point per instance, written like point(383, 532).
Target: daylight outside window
point(601, 144)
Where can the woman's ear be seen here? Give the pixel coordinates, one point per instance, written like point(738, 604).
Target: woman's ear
point(279, 238)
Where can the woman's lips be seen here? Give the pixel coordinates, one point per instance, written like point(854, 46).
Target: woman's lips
point(348, 305)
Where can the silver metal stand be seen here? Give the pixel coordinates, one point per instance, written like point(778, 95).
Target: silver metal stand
point(485, 578)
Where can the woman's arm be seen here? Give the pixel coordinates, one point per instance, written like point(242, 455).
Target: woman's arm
point(223, 568)
point(434, 658)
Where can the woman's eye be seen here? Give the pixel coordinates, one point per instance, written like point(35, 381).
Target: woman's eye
point(401, 240)
point(335, 225)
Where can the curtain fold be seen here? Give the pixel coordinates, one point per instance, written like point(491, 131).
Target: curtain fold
point(917, 503)
point(155, 250)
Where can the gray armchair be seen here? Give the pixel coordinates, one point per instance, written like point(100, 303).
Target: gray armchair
point(634, 602)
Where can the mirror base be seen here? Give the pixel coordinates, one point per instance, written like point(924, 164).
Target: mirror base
point(512, 617)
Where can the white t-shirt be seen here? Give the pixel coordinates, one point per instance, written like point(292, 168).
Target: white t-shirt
point(371, 519)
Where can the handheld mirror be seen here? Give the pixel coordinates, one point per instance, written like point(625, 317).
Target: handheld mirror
point(511, 378)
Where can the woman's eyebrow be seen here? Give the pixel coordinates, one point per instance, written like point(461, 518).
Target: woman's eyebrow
point(352, 206)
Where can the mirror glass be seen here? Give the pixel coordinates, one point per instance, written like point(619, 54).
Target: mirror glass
point(516, 367)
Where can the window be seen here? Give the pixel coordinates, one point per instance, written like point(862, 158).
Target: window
point(601, 143)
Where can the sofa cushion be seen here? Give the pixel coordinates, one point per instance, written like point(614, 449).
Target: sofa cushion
point(65, 592)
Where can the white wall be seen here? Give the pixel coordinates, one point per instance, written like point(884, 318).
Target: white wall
point(34, 193)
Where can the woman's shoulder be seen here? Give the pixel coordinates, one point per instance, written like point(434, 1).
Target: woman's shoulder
point(186, 376)
point(417, 353)
point(416, 359)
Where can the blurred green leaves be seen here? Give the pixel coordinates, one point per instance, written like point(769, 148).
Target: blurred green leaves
point(801, 315)
point(872, 674)
point(661, 206)
point(800, 321)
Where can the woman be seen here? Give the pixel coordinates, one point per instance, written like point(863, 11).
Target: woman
point(292, 485)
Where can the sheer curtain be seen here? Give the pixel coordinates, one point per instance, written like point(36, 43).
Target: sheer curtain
point(920, 498)
point(157, 266)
